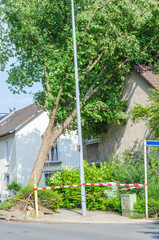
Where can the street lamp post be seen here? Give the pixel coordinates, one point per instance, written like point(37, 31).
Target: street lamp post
point(83, 197)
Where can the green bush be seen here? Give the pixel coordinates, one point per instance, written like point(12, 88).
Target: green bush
point(14, 186)
point(153, 207)
point(22, 194)
point(51, 199)
point(25, 192)
point(153, 201)
point(7, 203)
point(47, 198)
point(126, 168)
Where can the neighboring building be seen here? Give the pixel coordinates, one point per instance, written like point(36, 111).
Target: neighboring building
point(20, 139)
point(119, 138)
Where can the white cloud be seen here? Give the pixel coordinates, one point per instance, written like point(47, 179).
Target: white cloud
point(25, 101)
point(6, 101)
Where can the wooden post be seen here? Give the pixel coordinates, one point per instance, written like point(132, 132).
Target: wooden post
point(36, 202)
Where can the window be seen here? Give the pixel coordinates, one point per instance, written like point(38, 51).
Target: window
point(92, 139)
point(53, 154)
point(6, 153)
point(7, 179)
point(47, 174)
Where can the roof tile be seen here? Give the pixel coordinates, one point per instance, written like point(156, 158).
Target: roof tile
point(17, 118)
point(148, 74)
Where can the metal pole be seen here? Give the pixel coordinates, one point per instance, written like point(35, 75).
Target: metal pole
point(83, 197)
point(146, 190)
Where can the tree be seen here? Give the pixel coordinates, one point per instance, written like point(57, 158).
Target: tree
point(111, 36)
point(148, 113)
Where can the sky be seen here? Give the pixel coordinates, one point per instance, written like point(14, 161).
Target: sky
point(8, 100)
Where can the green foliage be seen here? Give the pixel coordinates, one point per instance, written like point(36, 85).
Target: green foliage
point(154, 161)
point(7, 203)
point(153, 207)
point(136, 215)
point(25, 192)
point(111, 36)
point(50, 195)
point(148, 113)
point(14, 186)
point(48, 198)
point(52, 199)
point(126, 168)
point(129, 170)
point(153, 200)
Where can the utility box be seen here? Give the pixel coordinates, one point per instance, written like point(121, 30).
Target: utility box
point(127, 202)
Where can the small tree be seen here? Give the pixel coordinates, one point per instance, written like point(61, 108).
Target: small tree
point(149, 113)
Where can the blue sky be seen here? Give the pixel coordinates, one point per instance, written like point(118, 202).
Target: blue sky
point(8, 100)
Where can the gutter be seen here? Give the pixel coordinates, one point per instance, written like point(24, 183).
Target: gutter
point(7, 133)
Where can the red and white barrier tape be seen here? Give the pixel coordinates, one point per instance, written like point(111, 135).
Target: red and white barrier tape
point(113, 190)
point(115, 184)
point(88, 194)
point(67, 186)
point(93, 184)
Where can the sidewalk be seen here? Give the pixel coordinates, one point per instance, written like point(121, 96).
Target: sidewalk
point(64, 216)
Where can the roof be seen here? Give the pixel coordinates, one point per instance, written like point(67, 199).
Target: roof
point(17, 118)
point(148, 74)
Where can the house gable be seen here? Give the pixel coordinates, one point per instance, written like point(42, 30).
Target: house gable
point(15, 119)
point(148, 75)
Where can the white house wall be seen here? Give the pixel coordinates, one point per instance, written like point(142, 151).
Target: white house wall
point(9, 169)
point(28, 140)
point(23, 148)
point(67, 154)
point(67, 149)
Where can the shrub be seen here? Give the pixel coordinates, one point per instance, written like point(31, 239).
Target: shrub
point(22, 194)
point(7, 203)
point(14, 186)
point(25, 192)
point(48, 198)
point(153, 201)
point(126, 168)
point(51, 199)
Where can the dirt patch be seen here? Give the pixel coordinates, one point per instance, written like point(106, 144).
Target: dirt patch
point(28, 209)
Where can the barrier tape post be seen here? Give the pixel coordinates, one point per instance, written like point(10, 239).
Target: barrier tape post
point(36, 201)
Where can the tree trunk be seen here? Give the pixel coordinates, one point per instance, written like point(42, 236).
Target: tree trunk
point(50, 136)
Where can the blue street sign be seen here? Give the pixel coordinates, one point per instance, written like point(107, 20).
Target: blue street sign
point(152, 143)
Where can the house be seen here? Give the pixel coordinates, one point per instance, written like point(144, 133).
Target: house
point(20, 139)
point(119, 138)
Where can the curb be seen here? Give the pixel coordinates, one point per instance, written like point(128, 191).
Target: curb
point(84, 221)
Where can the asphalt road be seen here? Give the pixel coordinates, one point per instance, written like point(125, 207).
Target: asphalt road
point(24, 231)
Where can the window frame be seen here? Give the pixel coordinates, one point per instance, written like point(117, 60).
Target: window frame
point(92, 140)
point(6, 153)
point(53, 155)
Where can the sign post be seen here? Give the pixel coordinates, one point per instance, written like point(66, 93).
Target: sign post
point(147, 143)
point(146, 190)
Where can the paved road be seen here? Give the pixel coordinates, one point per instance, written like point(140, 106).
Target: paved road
point(21, 231)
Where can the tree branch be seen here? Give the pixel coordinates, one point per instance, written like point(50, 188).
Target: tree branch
point(92, 90)
point(48, 89)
